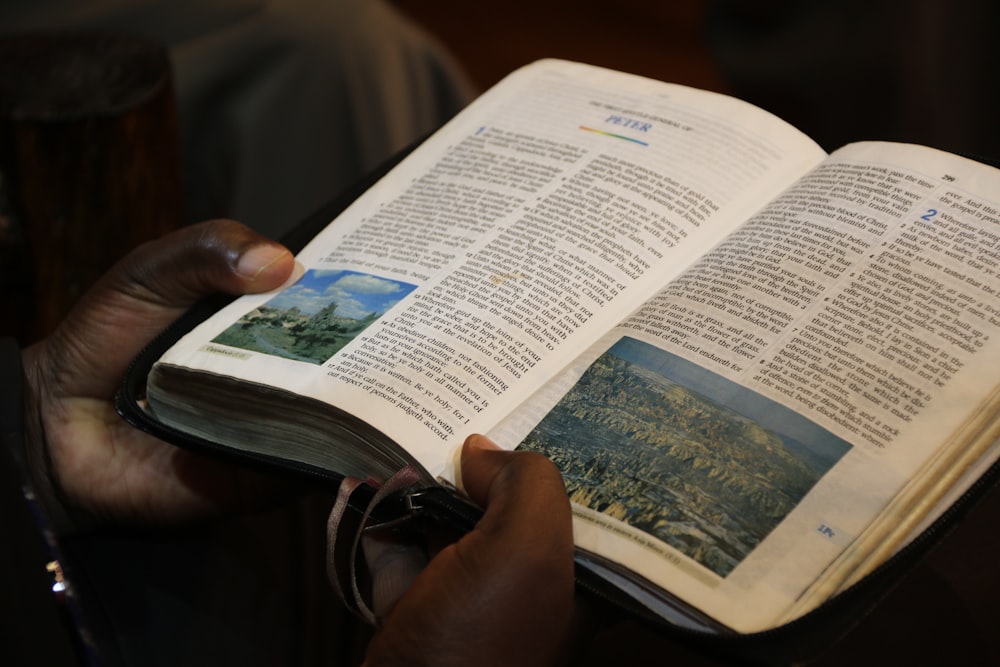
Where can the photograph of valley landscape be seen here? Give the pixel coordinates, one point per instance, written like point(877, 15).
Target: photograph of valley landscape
point(317, 316)
point(701, 463)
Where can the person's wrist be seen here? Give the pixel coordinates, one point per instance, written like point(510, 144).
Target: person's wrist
point(43, 485)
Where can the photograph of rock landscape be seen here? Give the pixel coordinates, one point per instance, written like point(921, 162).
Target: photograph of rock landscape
point(698, 462)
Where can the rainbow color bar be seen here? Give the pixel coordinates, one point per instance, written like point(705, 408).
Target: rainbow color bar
point(616, 136)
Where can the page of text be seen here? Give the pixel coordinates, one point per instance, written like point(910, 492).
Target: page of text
point(502, 247)
point(742, 430)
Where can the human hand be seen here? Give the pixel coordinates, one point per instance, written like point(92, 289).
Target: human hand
point(85, 461)
point(504, 593)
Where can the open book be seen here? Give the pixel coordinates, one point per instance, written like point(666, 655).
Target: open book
point(761, 368)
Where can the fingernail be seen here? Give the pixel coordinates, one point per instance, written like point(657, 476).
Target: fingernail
point(255, 260)
point(478, 441)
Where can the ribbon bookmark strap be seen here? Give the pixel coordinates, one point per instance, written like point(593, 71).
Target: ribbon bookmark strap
point(344, 531)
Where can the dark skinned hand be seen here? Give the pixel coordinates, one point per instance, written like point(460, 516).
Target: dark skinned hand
point(86, 463)
point(504, 593)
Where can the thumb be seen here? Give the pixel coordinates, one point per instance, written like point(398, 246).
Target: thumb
point(495, 478)
point(216, 256)
point(151, 287)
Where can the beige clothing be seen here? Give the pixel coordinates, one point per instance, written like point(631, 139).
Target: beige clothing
point(282, 103)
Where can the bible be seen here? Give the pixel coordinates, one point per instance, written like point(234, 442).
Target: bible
point(761, 368)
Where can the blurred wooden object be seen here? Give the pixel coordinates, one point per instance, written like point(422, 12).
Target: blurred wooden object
point(89, 166)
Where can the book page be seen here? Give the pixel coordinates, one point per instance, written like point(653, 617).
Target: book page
point(502, 247)
point(795, 402)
